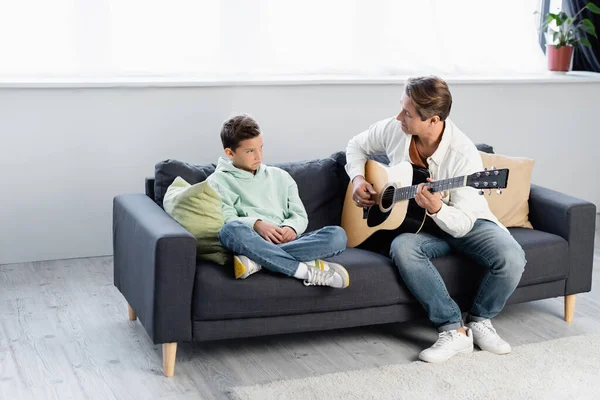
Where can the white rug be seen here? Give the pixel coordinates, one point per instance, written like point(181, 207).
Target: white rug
point(567, 368)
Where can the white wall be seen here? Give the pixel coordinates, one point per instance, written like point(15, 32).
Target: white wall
point(65, 153)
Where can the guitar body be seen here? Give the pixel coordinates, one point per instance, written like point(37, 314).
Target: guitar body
point(395, 210)
point(403, 216)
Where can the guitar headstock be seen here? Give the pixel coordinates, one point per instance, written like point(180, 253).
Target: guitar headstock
point(489, 179)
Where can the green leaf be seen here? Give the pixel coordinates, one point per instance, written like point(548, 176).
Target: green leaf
point(593, 8)
point(560, 18)
point(551, 17)
point(585, 42)
point(587, 26)
point(554, 37)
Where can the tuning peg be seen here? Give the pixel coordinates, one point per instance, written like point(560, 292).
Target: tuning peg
point(480, 192)
point(499, 191)
point(493, 168)
point(485, 169)
point(489, 192)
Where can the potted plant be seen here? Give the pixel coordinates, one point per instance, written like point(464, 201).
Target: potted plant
point(566, 32)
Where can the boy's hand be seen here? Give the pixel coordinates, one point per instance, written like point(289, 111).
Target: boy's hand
point(289, 234)
point(269, 232)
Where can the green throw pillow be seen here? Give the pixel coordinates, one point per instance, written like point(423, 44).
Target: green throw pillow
point(198, 209)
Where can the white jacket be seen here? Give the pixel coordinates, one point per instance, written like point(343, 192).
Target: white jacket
point(455, 156)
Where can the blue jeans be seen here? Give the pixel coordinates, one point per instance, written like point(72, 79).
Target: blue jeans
point(487, 244)
point(241, 239)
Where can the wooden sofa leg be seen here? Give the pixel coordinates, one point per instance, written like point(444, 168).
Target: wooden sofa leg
point(569, 307)
point(169, 351)
point(132, 316)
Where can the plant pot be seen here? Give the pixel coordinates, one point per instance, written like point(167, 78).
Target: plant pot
point(559, 59)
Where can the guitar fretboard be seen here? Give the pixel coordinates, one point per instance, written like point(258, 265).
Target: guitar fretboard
point(409, 192)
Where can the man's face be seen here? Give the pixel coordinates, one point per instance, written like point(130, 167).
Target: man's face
point(248, 155)
point(411, 121)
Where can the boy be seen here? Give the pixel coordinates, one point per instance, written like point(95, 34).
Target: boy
point(264, 216)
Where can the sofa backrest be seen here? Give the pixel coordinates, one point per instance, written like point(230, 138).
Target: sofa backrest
point(322, 183)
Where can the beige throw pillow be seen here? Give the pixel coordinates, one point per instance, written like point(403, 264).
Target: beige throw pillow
point(512, 206)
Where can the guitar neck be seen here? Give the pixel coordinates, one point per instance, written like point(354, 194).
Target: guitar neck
point(409, 192)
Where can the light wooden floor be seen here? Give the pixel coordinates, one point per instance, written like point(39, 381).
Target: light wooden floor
point(65, 335)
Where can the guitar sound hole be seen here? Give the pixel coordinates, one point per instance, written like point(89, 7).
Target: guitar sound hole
point(387, 198)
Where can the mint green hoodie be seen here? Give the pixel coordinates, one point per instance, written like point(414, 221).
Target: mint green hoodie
point(270, 195)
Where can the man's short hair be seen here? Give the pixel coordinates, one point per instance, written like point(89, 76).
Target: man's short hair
point(430, 96)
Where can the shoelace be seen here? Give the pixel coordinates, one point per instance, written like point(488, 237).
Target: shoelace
point(445, 337)
point(485, 327)
point(319, 277)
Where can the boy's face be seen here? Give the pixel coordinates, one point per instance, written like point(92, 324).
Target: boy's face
point(248, 155)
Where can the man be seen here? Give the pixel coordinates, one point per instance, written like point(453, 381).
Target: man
point(423, 135)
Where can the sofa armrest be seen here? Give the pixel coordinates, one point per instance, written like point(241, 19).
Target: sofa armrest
point(573, 219)
point(154, 267)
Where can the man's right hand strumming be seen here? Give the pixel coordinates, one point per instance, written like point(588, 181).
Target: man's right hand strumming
point(363, 194)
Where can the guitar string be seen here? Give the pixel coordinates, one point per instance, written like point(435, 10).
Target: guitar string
point(439, 185)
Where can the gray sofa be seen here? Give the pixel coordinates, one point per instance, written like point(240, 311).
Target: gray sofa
point(180, 299)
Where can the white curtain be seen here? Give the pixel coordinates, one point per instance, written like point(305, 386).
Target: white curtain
point(250, 38)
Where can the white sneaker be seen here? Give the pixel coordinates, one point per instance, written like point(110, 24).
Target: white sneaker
point(244, 267)
point(325, 273)
point(449, 344)
point(486, 338)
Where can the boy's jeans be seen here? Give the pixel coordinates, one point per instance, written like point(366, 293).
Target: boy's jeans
point(241, 239)
point(487, 244)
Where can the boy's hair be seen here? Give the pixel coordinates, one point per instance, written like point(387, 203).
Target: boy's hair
point(237, 129)
point(430, 96)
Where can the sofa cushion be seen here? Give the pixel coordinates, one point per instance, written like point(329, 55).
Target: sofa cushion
point(512, 208)
point(320, 188)
point(217, 295)
point(547, 256)
point(374, 281)
point(486, 148)
point(198, 209)
point(166, 171)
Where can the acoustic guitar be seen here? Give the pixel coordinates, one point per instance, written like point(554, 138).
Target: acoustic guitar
point(396, 189)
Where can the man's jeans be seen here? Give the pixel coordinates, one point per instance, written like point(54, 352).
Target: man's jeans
point(241, 239)
point(487, 244)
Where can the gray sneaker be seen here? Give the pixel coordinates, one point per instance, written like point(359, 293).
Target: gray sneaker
point(326, 273)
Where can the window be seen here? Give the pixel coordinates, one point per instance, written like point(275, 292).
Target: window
point(249, 38)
